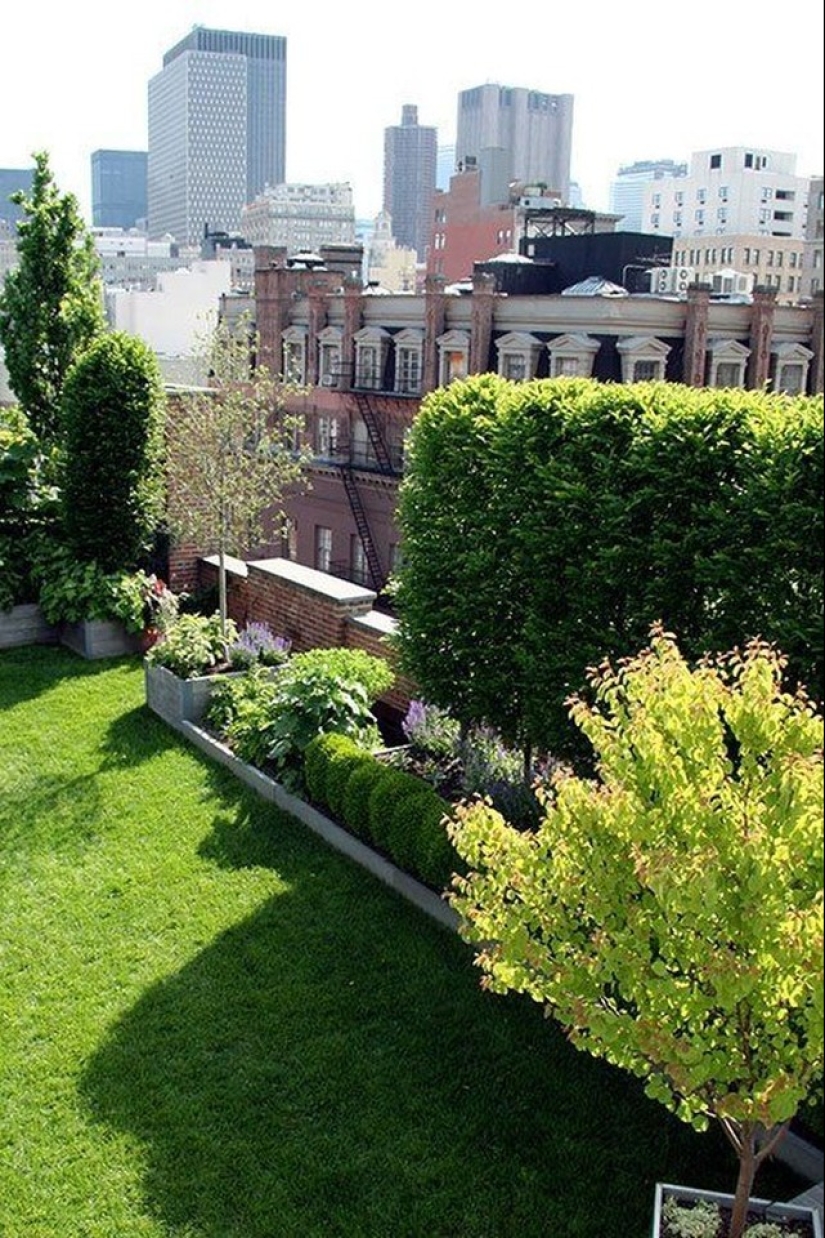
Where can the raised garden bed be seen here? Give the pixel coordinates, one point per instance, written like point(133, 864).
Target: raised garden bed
point(100, 638)
point(791, 1219)
point(179, 700)
point(25, 625)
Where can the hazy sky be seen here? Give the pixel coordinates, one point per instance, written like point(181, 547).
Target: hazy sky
point(650, 80)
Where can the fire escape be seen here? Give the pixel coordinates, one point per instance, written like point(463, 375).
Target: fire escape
point(383, 464)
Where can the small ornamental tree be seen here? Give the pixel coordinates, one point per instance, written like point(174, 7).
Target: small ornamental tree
point(233, 449)
point(669, 913)
point(113, 409)
point(51, 305)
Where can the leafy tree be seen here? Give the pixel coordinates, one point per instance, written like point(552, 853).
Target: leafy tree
point(579, 512)
point(113, 410)
point(51, 305)
point(232, 452)
point(669, 913)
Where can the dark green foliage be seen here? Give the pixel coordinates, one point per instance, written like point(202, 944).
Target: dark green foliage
point(375, 675)
point(323, 756)
point(51, 306)
point(28, 506)
point(579, 513)
point(113, 427)
point(355, 801)
point(390, 788)
point(342, 766)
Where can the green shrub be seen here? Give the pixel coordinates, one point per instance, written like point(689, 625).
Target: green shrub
point(355, 807)
point(231, 698)
point(193, 645)
point(375, 675)
point(696, 1220)
point(403, 828)
point(436, 861)
point(341, 768)
point(323, 755)
point(395, 785)
point(112, 413)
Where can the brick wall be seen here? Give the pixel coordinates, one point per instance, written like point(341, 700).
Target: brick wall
point(310, 608)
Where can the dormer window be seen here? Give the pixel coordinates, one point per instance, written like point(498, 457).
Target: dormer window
point(329, 357)
point(726, 363)
point(294, 347)
point(643, 359)
point(409, 358)
point(790, 365)
point(453, 356)
point(572, 356)
point(371, 348)
point(518, 354)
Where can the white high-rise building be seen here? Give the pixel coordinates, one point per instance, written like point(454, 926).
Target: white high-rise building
point(735, 190)
point(534, 130)
point(217, 113)
point(627, 191)
point(300, 217)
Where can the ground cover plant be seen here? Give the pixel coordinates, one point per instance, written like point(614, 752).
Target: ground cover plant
point(212, 1026)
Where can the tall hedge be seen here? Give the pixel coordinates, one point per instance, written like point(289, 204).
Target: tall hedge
point(113, 432)
point(548, 524)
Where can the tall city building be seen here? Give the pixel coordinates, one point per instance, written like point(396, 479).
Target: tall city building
point(13, 180)
point(300, 217)
point(119, 188)
point(730, 191)
point(527, 135)
point(410, 164)
point(217, 130)
point(627, 191)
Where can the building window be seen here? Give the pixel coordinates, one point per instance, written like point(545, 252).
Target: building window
point(323, 548)
point(726, 363)
point(780, 257)
point(722, 214)
point(326, 438)
point(700, 217)
point(767, 193)
point(643, 359)
point(409, 356)
point(701, 196)
point(679, 198)
point(294, 355)
point(716, 161)
point(359, 567)
point(728, 374)
point(790, 368)
point(329, 357)
point(572, 355)
point(723, 193)
point(517, 356)
point(289, 539)
point(453, 354)
point(371, 347)
point(395, 557)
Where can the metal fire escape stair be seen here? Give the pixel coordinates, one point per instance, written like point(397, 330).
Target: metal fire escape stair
point(377, 575)
point(364, 404)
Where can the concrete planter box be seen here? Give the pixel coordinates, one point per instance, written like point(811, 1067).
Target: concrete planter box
point(179, 700)
point(763, 1208)
point(99, 638)
point(25, 625)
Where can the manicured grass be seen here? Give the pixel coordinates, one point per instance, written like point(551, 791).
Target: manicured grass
point(211, 1026)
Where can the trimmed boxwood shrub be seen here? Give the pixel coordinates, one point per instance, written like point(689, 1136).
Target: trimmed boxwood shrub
point(355, 806)
point(341, 768)
point(321, 756)
point(390, 789)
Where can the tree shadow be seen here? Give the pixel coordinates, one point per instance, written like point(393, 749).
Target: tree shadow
point(28, 671)
point(39, 813)
point(329, 1066)
point(138, 735)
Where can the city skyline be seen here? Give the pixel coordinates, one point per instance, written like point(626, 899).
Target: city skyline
point(741, 79)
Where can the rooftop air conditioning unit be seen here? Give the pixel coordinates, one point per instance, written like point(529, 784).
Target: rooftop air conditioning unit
point(671, 281)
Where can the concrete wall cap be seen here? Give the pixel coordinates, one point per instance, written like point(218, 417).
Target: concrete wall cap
point(313, 581)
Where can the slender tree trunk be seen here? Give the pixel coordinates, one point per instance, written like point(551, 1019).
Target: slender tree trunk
point(527, 769)
point(222, 589)
point(744, 1187)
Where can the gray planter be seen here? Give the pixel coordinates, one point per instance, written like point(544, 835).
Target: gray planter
point(25, 625)
point(99, 638)
point(179, 700)
point(765, 1209)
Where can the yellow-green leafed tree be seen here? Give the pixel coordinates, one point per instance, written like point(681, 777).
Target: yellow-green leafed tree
point(669, 913)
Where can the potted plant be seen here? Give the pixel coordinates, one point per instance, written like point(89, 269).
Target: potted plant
point(669, 912)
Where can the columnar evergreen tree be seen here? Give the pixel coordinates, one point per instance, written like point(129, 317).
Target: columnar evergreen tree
point(112, 411)
point(51, 305)
point(669, 913)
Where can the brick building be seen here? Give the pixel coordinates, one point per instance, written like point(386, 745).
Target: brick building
point(368, 360)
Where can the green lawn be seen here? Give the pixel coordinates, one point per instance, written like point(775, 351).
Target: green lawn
point(211, 1026)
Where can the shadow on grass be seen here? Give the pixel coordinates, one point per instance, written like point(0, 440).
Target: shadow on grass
point(329, 1066)
point(39, 813)
point(135, 736)
point(27, 671)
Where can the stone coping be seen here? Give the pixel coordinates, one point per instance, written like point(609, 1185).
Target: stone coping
point(234, 567)
point(309, 580)
point(376, 622)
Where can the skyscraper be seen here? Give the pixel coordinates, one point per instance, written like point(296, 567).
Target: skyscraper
point(530, 132)
point(119, 188)
point(217, 130)
point(410, 162)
